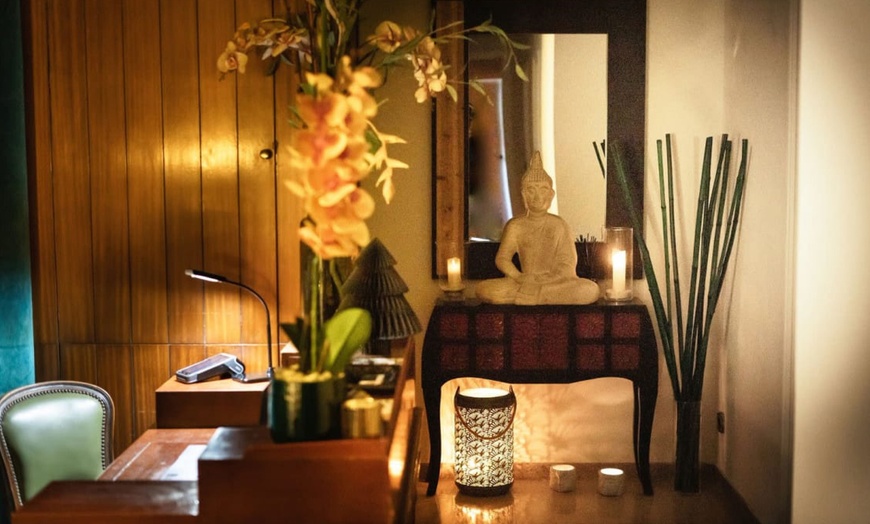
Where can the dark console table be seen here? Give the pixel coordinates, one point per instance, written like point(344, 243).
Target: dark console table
point(541, 345)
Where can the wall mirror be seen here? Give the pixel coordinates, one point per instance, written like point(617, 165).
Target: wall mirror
point(587, 68)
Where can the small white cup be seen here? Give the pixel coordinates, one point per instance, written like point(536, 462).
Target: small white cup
point(563, 478)
point(611, 482)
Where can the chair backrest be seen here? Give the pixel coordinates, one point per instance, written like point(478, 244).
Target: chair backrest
point(58, 430)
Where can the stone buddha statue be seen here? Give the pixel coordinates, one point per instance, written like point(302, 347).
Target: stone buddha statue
point(546, 251)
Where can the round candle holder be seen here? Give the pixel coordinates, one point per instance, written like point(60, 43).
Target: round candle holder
point(611, 482)
point(619, 249)
point(361, 418)
point(563, 478)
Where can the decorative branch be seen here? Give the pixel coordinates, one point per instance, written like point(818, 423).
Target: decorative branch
point(713, 244)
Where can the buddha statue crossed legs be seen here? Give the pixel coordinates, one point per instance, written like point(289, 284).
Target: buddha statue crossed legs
point(546, 250)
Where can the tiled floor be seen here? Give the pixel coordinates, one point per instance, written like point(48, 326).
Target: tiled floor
point(531, 501)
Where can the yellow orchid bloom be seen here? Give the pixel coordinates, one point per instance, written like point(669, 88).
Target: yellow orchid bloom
point(232, 59)
point(292, 39)
point(320, 145)
point(388, 36)
point(330, 109)
point(428, 69)
point(337, 145)
point(321, 82)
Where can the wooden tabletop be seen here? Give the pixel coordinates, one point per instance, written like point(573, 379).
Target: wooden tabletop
point(173, 386)
point(160, 454)
point(97, 502)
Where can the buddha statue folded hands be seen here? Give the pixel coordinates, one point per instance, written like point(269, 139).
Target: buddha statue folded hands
point(545, 246)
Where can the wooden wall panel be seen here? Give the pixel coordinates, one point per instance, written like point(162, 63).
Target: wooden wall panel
point(114, 365)
point(108, 171)
point(220, 182)
point(141, 65)
point(71, 177)
point(185, 355)
point(79, 362)
point(257, 201)
point(142, 165)
point(254, 356)
point(43, 271)
point(150, 370)
point(181, 153)
point(47, 357)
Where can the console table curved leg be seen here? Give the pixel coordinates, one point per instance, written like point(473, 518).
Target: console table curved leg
point(644, 409)
point(432, 400)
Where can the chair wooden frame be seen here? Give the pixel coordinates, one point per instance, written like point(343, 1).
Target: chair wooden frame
point(14, 397)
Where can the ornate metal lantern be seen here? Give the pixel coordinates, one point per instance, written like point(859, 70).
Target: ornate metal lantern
point(484, 440)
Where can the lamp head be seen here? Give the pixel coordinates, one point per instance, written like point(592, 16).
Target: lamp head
point(204, 275)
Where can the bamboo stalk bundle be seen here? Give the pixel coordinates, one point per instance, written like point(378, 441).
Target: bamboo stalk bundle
point(685, 333)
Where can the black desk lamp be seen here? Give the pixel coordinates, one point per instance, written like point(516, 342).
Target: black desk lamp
point(211, 277)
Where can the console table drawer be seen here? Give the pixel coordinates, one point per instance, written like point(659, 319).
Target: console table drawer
point(558, 338)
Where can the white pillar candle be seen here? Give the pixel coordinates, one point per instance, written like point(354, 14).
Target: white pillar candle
point(563, 478)
point(618, 273)
point(611, 482)
point(454, 273)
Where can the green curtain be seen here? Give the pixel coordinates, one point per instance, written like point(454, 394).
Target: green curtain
point(16, 322)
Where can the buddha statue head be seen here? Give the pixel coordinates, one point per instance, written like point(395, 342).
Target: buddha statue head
point(537, 187)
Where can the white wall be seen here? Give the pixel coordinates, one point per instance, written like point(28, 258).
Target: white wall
point(724, 68)
point(755, 391)
point(832, 367)
point(685, 71)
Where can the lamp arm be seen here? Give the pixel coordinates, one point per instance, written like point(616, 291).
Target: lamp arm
point(214, 277)
point(270, 371)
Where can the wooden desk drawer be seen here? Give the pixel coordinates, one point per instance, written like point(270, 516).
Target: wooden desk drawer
point(209, 404)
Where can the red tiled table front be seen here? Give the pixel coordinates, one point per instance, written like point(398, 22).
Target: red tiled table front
point(541, 345)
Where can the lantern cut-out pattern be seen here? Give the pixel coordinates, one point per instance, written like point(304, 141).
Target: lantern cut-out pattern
point(484, 462)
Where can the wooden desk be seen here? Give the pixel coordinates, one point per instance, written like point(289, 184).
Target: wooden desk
point(242, 476)
point(143, 496)
point(541, 345)
point(99, 502)
point(152, 454)
point(328, 481)
point(210, 404)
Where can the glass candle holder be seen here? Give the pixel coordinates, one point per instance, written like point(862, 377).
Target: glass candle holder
point(453, 287)
point(619, 249)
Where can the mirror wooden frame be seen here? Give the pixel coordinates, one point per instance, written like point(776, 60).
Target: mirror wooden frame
point(624, 21)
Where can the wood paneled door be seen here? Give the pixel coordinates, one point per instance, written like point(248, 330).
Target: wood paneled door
point(143, 163)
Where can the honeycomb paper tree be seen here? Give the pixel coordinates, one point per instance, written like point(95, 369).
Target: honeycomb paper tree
point(375, 285)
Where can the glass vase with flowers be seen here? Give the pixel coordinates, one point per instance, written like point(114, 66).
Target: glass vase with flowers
point(335, 146)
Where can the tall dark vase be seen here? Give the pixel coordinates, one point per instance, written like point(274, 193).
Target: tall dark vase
point(687, 466)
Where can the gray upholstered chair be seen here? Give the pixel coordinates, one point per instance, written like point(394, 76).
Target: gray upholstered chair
point(59, 430)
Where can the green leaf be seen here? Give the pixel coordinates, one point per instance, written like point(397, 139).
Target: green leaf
point(519, 45)
point(477, 86)
point(452, 92)
point(521, 73)
point(346, 332)
point(373, 140)
point(298, 333)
